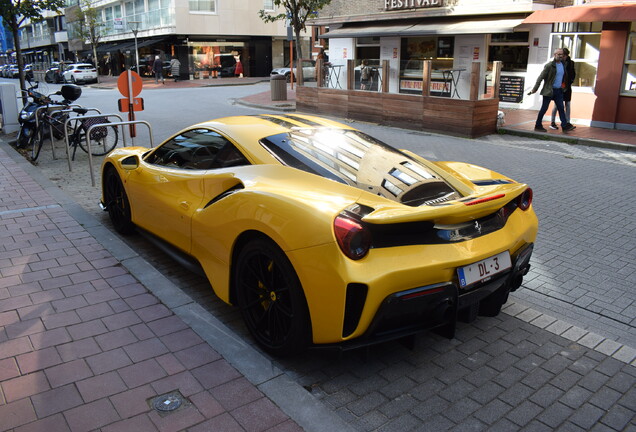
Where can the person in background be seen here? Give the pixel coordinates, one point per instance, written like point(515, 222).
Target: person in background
point(157, 68)
point(365, 75)
point(175, 68)
point(568, 63)
point(553, 76)
point(238, 70)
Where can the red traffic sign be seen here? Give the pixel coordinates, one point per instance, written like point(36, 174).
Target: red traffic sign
point(124, 104)
point(135, 80)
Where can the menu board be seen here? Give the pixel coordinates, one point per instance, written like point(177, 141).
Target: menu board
point(511, 88)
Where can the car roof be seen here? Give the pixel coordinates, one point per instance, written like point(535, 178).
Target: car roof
point(246, 131)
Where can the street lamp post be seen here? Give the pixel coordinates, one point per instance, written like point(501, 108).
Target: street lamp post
point(134, 26)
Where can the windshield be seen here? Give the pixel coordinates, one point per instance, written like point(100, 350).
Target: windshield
point(356, 159)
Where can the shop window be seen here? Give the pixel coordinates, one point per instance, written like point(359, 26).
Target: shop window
point(629, 74)
point(511, 49)
point(413, 53)
point(584, 50)
point(368, 48)
point(202, 6)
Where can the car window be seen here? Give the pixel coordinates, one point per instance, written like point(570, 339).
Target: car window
point(200, 149)
point(84, 67)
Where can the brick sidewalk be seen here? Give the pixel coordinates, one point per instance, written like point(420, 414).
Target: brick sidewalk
point(84, 345)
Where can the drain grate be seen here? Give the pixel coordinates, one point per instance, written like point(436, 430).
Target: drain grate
point(169, 402)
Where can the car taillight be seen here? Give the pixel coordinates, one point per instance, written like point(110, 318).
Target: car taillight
point(353, 238)
point(524, 201)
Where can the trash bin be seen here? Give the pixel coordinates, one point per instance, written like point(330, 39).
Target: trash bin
point(278, 84)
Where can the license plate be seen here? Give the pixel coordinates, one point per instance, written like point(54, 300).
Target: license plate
point(484, 269)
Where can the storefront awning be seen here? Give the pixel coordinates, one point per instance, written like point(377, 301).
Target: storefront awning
point(585, 13)
point(428, 27)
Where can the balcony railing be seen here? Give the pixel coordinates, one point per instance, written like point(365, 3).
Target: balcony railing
point(27, 42)
point(151, 20)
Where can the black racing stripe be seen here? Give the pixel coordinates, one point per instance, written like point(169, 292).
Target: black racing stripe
point(279, 121)
point(303, 120)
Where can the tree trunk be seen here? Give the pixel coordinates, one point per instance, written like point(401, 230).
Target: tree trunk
point(18, 53)
point(95, 59)
point(299, 55)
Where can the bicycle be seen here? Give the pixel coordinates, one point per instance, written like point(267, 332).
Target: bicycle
point(103, 138)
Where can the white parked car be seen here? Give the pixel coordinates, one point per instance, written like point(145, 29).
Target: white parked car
point(309, 71)
point(80, 72)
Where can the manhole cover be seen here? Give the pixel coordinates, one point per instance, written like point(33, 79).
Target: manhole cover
point(167, 402)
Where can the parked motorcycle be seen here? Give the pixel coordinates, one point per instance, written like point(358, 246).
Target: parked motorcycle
point(27, 119)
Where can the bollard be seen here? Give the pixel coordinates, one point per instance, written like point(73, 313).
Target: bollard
point(278, 84)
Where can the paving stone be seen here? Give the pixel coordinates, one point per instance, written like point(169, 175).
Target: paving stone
point(586, 416)
point(618, 417)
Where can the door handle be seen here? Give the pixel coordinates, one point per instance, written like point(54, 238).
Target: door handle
point(184, 205)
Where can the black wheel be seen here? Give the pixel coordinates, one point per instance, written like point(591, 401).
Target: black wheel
point(116, 202)
point(25, 136)
point(271, 298)
point(288, 77)
point(103, 140)
point(37, 139)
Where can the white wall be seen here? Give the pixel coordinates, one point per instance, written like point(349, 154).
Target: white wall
point(341, 50)
point(390, 50)
point(469, 49)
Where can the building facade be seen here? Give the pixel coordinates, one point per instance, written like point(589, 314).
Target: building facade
point(208, 36)
point(455, 34)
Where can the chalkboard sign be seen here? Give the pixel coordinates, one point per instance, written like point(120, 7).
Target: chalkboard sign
point(511, 88)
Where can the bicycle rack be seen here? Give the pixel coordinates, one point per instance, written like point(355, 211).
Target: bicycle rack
point(120, 123)
point(62, 108)
point(90, 156)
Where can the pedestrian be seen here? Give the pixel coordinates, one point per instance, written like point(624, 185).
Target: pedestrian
point(365, 75)
point(238, 69)
point(157, 68)
point(175, 68)
point(567, 91)
point(554, 78)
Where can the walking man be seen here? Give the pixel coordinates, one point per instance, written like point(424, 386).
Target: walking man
point(157, 68)
point(554, 78)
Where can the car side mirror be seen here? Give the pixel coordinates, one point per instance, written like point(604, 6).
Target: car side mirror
point(130, 163)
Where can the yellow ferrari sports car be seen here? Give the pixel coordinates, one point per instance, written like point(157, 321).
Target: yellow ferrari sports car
point(322, 235)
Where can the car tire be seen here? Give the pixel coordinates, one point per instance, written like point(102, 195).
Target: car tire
point(288, 77)
point(271, 298)
point(117, 204)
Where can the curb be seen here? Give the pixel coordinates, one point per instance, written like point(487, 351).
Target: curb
point(288, 107)
point(570, 140)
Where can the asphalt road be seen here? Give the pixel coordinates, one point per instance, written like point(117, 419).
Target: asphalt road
point(498, 371)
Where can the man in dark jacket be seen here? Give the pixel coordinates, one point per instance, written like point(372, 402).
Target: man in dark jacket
point(554, 78)
point(157, 68)
point(567, 91)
